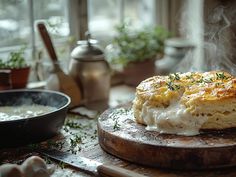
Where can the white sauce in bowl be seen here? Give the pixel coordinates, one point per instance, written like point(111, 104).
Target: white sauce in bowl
point(24, 111)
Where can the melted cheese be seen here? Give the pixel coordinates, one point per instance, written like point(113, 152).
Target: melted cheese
point(174, 119)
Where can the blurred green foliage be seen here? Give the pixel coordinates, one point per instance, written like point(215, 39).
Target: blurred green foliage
point(15, 60)
point(137, 45)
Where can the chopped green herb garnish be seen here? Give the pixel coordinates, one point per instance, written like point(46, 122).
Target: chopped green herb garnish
point(47, 160)
point(66, 128)
point(221, 76)
point(200, 81)
point(171, 78)
point(174, 76)
point(177, 87)
point(74, 144)
point(116, 125)
point(62, 165)
point(73, 124)
point(210, 80)
point(76, 140)
point(172, 86)
point(218, 84)
point(177, 77)
point(189, 77)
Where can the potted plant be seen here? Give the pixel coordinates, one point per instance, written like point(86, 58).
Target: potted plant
point(136, 51)
point(19, 69)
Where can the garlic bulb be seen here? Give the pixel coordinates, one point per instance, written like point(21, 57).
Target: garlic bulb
point(10, 170)
point(34, 166)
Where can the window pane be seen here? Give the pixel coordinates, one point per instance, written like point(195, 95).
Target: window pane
point(54, 13)
point(18, 24)
point(104, 15)
point(139, 13)
point(14, 24)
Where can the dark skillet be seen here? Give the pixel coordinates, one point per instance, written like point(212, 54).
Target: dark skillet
point(35, 129)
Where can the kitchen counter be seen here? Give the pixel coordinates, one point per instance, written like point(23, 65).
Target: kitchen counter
point(79, 137)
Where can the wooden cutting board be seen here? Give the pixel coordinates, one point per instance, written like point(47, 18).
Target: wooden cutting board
point(121, 136)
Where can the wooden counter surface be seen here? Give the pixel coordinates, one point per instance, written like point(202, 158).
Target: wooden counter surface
point(79, 136)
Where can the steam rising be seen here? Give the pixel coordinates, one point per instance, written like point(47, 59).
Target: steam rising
point(216, 46)
point(217, 53)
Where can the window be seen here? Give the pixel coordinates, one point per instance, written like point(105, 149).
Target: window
point(14, 26)
point(18, 19)
point(55, 15)
point(104, 15)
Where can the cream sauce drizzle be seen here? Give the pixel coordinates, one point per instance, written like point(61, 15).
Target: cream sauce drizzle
point(174, 119)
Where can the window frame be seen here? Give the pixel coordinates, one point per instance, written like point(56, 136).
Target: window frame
point(78, 18)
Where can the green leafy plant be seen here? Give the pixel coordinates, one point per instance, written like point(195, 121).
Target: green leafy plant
point(137, 45)
point(15, 60)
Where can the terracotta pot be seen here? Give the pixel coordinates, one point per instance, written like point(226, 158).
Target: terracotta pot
point(136, 72)
point(5, 79)
point(19, 77)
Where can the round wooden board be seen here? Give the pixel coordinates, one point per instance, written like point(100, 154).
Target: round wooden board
point(121, 136)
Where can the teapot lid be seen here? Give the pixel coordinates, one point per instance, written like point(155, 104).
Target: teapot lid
point(87, 50)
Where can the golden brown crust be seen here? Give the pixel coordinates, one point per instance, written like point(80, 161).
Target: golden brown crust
point(211, 94)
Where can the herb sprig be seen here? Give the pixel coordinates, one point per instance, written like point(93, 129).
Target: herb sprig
point(174, 76)
point(76, 140)
point(218, 84)
point(190, 76)
point(209, 80)
point(203, 80)
point(221, 76)
point(172, 86)
point(116, 125)
point(73, 124)
point(62, 165)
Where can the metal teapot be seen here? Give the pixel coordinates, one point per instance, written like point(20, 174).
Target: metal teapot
point(91, 71)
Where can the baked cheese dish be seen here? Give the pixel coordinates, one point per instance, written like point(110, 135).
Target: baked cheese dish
point(185, 103)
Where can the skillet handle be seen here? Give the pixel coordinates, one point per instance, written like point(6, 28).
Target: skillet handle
point(114, 171)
